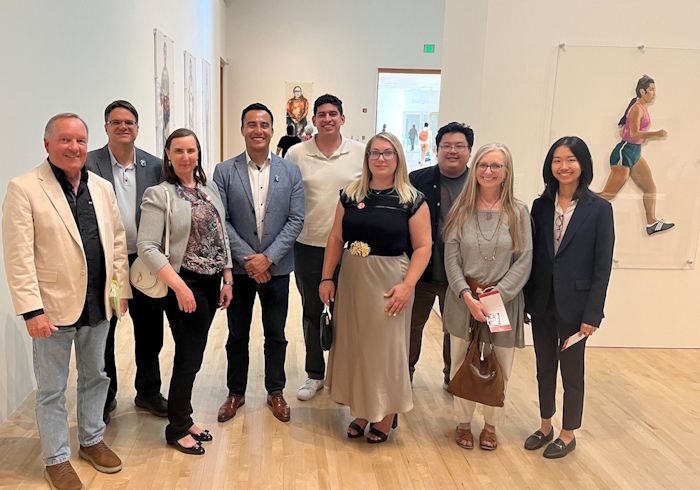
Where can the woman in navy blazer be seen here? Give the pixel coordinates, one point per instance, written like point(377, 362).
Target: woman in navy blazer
point(573, 240)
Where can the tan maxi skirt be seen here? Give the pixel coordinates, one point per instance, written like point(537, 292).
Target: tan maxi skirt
point(368, 361)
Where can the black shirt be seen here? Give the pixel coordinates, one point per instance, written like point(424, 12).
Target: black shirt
point(84, 215)
point(286, 142)
point(380, 221)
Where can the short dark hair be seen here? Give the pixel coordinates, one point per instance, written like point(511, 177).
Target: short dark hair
point(169, 174)
point(580, 150)
point(328, 99)
point(290, 130)
point(426, 124)
point(456, 127)
point(257, 106)
point(124, 105)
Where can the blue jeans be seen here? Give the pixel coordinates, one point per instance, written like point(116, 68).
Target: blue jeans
point(51, 368)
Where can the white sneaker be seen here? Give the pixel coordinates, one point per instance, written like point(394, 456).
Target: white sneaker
point(309, 389)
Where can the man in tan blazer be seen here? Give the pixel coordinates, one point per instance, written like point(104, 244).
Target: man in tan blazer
point(63, 244)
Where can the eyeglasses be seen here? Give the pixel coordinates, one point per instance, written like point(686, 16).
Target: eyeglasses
point(558, 227)
point(115, 123)
point(387, 154)
point(495, 167)
point(458, 148)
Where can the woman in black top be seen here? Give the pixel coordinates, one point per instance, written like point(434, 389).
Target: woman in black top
point(383, 220)
point(286, 142)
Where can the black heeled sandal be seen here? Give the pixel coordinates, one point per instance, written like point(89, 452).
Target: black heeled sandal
point(381, 435)
point(203, 436)
point(357, 428)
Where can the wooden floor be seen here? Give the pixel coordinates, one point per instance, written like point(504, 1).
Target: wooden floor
point(641, 429)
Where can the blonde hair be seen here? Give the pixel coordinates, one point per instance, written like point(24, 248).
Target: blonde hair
point(466, 204)
point(359, 189)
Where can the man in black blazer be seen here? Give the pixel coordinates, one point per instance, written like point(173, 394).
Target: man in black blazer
point(441, 184)
point(131, 171)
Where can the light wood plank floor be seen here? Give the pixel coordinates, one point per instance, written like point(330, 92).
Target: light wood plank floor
point(641, 429)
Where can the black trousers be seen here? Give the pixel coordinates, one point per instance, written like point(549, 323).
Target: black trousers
point(422, 306)
point(308, 267)
point(549, 331)
point(147, 316)
point(274, 301)
point(190, 331)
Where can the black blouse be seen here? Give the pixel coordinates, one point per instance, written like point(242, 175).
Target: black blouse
point(380, 221)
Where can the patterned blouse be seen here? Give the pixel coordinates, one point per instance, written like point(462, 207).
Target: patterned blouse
point(206, 247)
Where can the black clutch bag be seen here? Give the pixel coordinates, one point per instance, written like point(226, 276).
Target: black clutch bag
point(326, 329)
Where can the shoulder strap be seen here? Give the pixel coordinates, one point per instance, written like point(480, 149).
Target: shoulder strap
point(167, 222)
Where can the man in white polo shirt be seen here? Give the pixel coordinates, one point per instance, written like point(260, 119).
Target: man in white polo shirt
point(328, 163)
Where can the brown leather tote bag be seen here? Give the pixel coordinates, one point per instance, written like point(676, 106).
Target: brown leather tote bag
point(477, 380)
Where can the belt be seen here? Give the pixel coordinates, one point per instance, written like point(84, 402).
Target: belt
point(474, 285)
point(362, 249)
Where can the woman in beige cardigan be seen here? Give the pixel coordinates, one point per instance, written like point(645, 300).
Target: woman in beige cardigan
point(488, 242)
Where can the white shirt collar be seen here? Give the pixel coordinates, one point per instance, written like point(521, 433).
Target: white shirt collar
point(114, 161)
point(250, 161)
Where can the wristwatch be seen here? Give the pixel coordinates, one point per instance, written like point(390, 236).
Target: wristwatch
point(228, 283)
point(463, 291)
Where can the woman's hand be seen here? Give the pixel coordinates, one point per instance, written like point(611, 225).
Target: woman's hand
point(478, 310)
point(399, 296)
point(326, 291)
point(588, 330)
point(225, 296)
point(185, 299)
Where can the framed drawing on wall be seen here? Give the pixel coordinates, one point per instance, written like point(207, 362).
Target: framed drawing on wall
point(164, 62)
point(190, 92)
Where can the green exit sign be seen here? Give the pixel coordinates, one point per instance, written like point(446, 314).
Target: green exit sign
point(428, 48)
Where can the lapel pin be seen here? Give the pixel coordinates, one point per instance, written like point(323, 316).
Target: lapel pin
point(142, 162)
point(277, 179)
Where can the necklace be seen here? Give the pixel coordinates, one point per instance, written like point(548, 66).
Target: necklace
point(495, 233)
point(489, 211)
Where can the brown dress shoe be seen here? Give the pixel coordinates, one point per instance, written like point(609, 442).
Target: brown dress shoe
point(63, 477)
point(229, 408)
point(280, 408)
point(101, 457)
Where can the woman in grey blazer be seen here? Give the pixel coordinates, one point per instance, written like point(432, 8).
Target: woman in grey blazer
point(199, 257)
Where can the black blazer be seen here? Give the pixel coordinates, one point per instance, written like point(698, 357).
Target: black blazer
point(580, 271)
point(149, 170)
point(427, 180)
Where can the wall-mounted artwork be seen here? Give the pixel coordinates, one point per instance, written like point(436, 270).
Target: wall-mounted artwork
point(164, 63)
point(190, 92)
point(298, 95)
point(206, 118)
point(634, 108)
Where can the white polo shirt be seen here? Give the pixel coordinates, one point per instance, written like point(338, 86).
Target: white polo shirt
point(323, 178)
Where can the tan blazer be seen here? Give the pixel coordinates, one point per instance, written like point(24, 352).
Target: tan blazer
point(44, 258)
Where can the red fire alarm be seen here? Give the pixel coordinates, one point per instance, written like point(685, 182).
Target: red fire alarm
point(364, 110)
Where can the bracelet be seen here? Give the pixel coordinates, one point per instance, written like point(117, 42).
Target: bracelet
point(327, 279)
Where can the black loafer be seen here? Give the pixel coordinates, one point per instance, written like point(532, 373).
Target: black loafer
point(155, 404)
point(558, 449)
point(537, 439)
point(197, 449)
point(203, 436)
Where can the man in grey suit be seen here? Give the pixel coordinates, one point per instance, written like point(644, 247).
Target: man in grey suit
point(264, 200)
point(131, 171)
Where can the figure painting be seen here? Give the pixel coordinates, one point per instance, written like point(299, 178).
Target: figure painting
point(165, 86)
point(190, 92)
point(298, 96)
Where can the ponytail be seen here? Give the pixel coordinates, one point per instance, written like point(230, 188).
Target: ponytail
point(623, 120)
point(642, 84)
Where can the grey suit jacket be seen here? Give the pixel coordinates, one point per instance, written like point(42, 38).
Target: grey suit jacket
point(152, 230)
point(149, 170)
point(284, 212)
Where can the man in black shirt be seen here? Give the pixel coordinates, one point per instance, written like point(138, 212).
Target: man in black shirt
point(441, 184)
point(65, 252)
point(286, 142)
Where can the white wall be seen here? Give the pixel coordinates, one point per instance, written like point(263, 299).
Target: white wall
point(336, 44)
point(77, 56)
point(498, 75)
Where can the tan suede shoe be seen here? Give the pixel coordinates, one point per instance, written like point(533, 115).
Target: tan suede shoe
point(101, 457)
point(63, 477)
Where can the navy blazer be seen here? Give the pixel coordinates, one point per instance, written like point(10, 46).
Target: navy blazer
point(580, 271)
point(149, 171)
point(284, 212)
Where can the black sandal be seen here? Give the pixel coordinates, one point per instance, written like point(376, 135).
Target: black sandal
point(381, 435)
point(203, 436)
point(357, 428)
point(197, 449)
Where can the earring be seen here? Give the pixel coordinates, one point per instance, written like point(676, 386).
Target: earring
point(503, 183)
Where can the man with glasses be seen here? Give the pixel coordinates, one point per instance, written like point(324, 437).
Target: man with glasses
point(441, 184)
point(131, 171)
point(328, 163)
